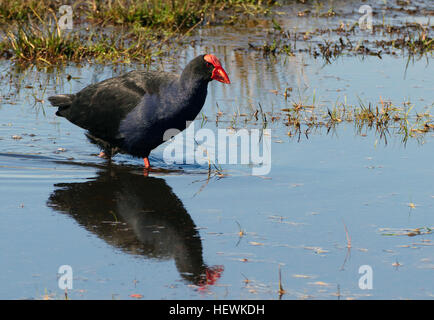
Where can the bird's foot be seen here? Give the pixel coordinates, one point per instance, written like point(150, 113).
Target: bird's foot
point(104, 155)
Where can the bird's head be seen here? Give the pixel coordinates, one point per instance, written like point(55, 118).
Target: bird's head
point(217, 72)
point(207, 67)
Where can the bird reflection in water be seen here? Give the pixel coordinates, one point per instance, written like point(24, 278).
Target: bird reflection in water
point(140, 215)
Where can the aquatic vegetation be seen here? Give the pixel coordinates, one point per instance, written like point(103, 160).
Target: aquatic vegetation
point(50, 45)
point(31, 31)
point(133, 30)
point(383, 117)
point(406, 232)
point(16, 10)
point(408, 40)
point(172, 15)
point(169, 14)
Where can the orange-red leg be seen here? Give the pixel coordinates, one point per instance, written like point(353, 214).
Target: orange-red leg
point(146, 162)
point(101, 154)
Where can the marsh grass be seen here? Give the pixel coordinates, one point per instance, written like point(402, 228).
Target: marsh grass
point(171, 15)
point(50, 45)
point(23, 10)
point(167, 14)
point(413, 40)
point(137, 30)
point(117, 31)
point(303, 117)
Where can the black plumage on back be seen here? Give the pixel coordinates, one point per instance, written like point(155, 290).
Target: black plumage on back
point(130, 113)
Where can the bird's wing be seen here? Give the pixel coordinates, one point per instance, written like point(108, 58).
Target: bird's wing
point(101, 107)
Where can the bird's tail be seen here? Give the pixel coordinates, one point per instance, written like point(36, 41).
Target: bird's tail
point(63, 101)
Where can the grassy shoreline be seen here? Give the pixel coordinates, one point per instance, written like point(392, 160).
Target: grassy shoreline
point(169, 14)
point(117, 31)
point(123, 31)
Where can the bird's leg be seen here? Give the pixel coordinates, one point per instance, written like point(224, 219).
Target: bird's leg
point(147, 167)
point(102, 154)
point(146, 162)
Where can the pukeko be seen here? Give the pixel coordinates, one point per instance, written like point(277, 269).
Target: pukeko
point(130, 113)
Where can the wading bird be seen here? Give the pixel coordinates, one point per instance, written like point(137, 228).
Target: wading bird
point(130, 113)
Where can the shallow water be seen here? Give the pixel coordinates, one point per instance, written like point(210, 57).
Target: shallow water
point(157, 236)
